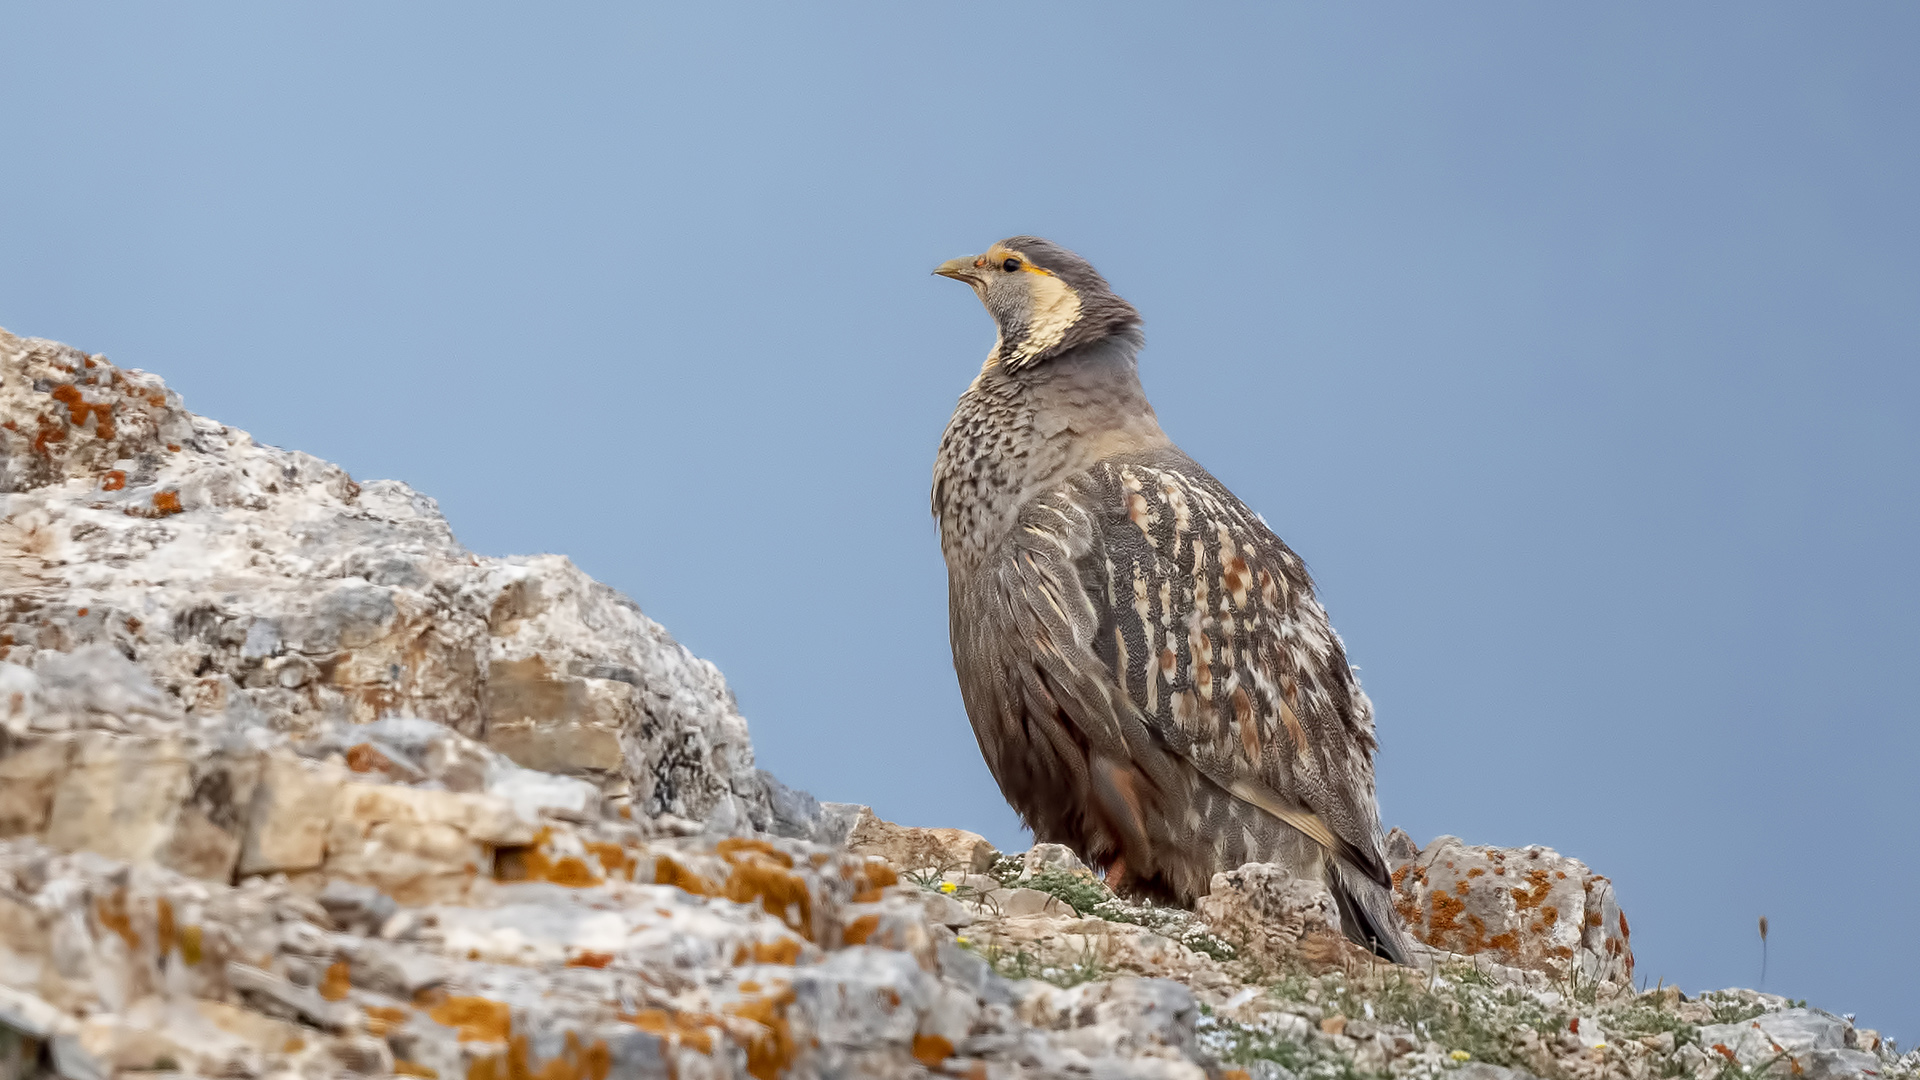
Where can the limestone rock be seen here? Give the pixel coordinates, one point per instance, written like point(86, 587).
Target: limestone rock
point(800, 816)
point(1530, 908)
point(1279, 917)
point(254, 587)
point(1793, 1042)
point(917, 849)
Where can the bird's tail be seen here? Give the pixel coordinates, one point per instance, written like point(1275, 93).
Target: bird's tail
point(1367, 914)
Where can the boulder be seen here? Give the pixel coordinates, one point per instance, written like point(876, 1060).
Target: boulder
point(920, 850)
point(1527, 908)
point(158, 566)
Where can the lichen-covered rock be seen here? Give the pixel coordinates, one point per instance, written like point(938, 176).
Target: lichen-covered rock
point(260, 587)
point(1529, 908)
point(1792, 1042)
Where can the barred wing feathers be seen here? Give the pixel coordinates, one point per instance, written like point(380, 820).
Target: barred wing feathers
point(1148, 665)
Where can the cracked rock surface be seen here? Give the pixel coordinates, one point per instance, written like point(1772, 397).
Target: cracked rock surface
point(293, 785)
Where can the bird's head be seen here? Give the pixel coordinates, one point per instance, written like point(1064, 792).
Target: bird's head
point(1044, 298)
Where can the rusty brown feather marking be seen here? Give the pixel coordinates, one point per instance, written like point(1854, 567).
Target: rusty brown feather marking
point(1122, 779)
point(1202, 669)
point(1243, 716)
point(1294, 730)
point(1271, 588)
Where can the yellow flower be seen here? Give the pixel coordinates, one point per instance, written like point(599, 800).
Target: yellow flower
point(960, 941)
point(1460, 1055)
point(948, 886)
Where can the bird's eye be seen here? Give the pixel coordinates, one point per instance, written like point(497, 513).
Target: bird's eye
point(1010, 265)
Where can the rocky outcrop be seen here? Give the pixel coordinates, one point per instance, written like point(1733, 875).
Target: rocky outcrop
point(262, 590)
point(292, 785)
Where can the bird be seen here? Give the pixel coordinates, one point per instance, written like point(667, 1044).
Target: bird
point(1151, 679)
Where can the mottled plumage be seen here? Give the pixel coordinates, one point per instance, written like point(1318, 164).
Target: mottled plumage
point(1150, 677)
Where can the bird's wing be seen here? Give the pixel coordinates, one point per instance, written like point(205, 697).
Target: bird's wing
point(1165, 617)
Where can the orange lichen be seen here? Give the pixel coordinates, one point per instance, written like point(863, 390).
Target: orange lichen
point(111, 912)
point(870, 879)
point(931, 1050)
point(533, 863)
point(77, 407)
point(574, 1063)
point(771, 1049)
point(734, 846)
point(338, 980)
point(293, 1045)
point(114, 480)
point(597, 1060)
point(1446, 910)
point(1475, 872)
point(49, 433)
point(571, 871)
point(781, 893)
point(784, 951)
point(477, 1018)
point(163, 925)
point(613, 859)
point(860, 929)
point(403, 1067)
point(1526, 899)
point(690, 1030)
point(384, 1018)
point(364, 757)
point(166, 503)
point(590, 960)
point(668, 872)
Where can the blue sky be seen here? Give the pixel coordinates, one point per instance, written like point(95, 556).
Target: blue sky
point(1576, 348)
